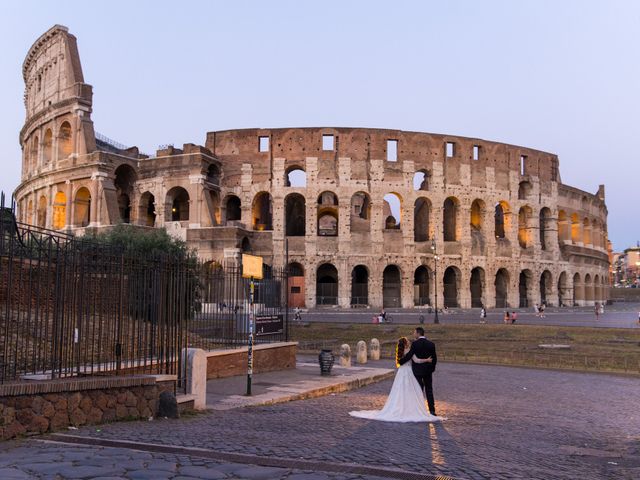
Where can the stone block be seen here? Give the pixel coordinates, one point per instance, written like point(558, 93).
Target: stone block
point(345, 355)
point(374, 349)
point(361, 349)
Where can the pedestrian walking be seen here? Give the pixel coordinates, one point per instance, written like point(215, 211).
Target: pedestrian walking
point(597, 309)
point(507, 317)
point(542, 309)
point(483, 315)
point(536, 309)
point(514, 317)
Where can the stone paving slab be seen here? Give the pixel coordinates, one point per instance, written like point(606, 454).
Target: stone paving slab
point(303, 382)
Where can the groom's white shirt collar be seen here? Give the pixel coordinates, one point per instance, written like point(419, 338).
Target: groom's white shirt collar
point(422, 337)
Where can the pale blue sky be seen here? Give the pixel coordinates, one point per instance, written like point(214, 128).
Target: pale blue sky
point(561, 76)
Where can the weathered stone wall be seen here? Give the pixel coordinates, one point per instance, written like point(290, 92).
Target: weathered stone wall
point(39, 407)
point(267, 358)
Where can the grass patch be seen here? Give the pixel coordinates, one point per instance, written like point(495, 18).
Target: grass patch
point(592, 349)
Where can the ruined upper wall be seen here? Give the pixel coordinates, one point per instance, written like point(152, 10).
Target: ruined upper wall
point(234, 147)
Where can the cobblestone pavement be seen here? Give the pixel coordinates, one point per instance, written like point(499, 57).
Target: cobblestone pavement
point(503, 422)
point(44, 460)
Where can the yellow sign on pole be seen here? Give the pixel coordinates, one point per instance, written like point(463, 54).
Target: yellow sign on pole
point(251, 266)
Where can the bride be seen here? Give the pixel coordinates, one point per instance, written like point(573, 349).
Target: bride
point(406, 401)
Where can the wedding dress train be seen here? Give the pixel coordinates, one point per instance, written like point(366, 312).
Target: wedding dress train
point(405, 402)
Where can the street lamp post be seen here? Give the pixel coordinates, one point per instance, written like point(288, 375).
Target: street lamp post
point(436, 320)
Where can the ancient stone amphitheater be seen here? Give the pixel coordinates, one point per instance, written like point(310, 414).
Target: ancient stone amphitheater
point(363, 217)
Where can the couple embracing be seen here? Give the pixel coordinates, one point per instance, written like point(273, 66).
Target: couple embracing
point(412, 383)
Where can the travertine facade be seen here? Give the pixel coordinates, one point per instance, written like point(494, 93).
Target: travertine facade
point(361, 210)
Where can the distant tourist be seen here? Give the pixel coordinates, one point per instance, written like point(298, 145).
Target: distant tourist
point(542, 309)
point(597, 309)
point(602, 308)
point(507, 317)
point(514, 317)
point(483, 315)
point(536, 309)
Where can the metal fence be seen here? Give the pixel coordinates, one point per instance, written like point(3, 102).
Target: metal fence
point(74, 307)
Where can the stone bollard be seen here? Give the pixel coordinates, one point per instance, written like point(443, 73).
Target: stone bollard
point(374, 349)
point(345, 355)
point(362, 352)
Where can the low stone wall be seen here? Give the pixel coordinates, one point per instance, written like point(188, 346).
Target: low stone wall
point(624, 294)
point(39, 407)
point(266, 358)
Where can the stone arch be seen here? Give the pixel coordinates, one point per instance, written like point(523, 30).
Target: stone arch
point(451, 207)
point(576, 234)
point(177, 205)
point(476, 223)
point(147, 210)
point(65, 142)
point(502, 219)
point(545, 228)
point(125, 177)
point(295, 176)
point(501, 284)
point(360, 212)
point(525, 288)
point(546, 287)
point(327, 284)
point(578, 290)
point(596, 234)
point(245, 245)
point(422, 286)
point(524, 227)
point(59, 211)
point(564, 234)
point(213, 174)
point(29, 212)
point(421, 180)
point(588, 289)
point(294, 215)
point(33, 153)
point(524, 190)
point(327, 215)
point(82, 208)
point(586, 232)
point(451, 287)
point(233, 209)
point(477, 287)
point(47, 153)
point(392, 211)
point(391, 287)
point(359, 286)
point(41, 220)
point(597, 295)
point(563, 290)
point(421, 214)
point(296, 284)
point(261, 212)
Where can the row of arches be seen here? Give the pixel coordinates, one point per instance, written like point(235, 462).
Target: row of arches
point(572, 228)
point(60, 142)
point(580, 291)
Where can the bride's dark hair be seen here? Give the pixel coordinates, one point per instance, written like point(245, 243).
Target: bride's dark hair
point(402, 343)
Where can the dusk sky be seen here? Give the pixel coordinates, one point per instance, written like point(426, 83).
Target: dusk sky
point(559, 76)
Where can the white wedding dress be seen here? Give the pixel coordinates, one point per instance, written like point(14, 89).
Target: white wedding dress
point(405, 402)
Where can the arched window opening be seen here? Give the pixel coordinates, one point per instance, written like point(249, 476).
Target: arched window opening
point(233, 209)
point(391, 287)
point(502, 219)
point(65, 145)
point(524, 232)
point(213, 174)
point(421, 287)
point(177, 205)
point(451, 287)
point(586, 232)
point(59, 211)
point(576, 234)
point(450, 219)
point(125, 177)
point(421, 180)
point(295, 215)
point(147, 212)
point(42, 212)
point(245, 245)
point(327, 214)
point(421, 212)
point(360, 212)
point(262, 212)
point(359, 286)
point(524, 190)
point(524, 288)
point(546, 285)
point(296, 285)
point(545, 228)
point(327, 285)
point(502, 288)
point(392, 211)
point(476, 218)
point(563, 227)
point(296, 177)
point(476, 286)
point(563, 291)
point(34, 152)
point(82, 208)
point(48, 146)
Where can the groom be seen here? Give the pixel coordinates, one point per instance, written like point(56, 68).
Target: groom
point(423, 349)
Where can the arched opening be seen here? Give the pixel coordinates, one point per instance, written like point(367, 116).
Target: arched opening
point(82, 208)
point(524, 232)
point(213, 174)
point(65, 145)
point(421, 212)
point(502, 219)
point(563, 290)
point(524, 288)
point(545, 228)
point(476, 222)
point(296, 285)
point(233, 209)
point(35, 145)
point(359, 286)
point(294, 215)
point(327, 285)
point(524, 190)
point(177, 205)
point(450, 219)
point(42, 212)
point(392, 211)
point(421, 287)
point(59, 211)
point(476, 286)
point(597, 288)
point(327, 214)
point(245, 245)
point(214, 207)
point(588, 290)
point(502, 288)
point(29, 213)
point(125, 178)
point(147, 210)
point(360, 212)
point(586, 232)
point(595, 234)
point(576, 235)
point(48, 146)
point(391, 287)
point(261, 212)
point(295, 177)
point(546, 287)
point(578, 290)
point(563, 227)
point(451, 284)
point(421, 180)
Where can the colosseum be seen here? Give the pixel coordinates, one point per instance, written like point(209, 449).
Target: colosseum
point(362, 217)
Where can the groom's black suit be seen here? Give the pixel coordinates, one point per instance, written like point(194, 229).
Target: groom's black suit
point(423, 348)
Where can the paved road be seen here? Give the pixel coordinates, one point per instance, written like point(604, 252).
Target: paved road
point(503, 423)
point(616, 316)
